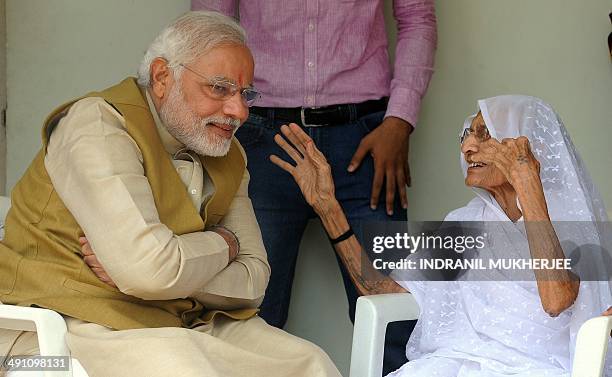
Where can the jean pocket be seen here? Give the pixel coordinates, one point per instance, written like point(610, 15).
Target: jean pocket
point(251, 132)
point(371, 121)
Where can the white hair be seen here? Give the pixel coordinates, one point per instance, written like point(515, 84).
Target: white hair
point(188, 37)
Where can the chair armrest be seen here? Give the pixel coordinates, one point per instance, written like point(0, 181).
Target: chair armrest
point(372, 315)
point(49, 326)
point(591, 347)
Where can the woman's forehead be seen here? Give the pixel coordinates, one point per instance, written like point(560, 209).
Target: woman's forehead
point(478, 121)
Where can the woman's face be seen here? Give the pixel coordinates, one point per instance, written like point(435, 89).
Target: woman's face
point(485, 176)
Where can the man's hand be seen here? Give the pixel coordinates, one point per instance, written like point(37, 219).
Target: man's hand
point(92, 261)
point(388, 145)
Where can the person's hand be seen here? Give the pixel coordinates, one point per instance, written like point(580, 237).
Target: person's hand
point(388, 145)
point(92, 261)
point(230, 239)
point(312, 173)
point(513, 157)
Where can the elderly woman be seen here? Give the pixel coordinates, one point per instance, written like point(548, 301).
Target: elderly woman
point(518, 158)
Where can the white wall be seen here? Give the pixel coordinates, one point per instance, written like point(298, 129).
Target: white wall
point(60, 49)
point(2, 95)
point(554, 49)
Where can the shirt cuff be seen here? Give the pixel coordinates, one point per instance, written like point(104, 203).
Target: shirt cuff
point(404, 104)
point(204, 255)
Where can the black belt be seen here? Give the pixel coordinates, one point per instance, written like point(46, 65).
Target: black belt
point(323, 116)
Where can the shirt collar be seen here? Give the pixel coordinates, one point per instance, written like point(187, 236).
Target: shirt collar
point(170, 143)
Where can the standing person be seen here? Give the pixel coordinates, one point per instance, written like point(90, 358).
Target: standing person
point(324, 65)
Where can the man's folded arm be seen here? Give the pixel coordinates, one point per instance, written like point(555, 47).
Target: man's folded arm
point(242, 284)
point(97, 170)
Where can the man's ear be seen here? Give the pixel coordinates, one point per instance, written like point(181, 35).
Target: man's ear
point(161, 78)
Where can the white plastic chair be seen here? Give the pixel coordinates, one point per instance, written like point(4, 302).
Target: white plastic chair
point(49, 326)
point(375, 312)
point(372, 315)
point(50, 329)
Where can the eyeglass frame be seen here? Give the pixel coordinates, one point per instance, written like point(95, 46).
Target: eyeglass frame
point(468, 131)
point(234, 87)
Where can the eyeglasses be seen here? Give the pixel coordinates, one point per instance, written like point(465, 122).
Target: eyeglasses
point(222, 89)
point(481, 134)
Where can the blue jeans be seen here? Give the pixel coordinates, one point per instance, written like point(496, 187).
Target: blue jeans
point(283, 213)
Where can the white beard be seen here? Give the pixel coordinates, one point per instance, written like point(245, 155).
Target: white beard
point(192, 130)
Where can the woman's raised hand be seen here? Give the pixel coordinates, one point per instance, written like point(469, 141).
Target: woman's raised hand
point(311, 172)
point(512, 156)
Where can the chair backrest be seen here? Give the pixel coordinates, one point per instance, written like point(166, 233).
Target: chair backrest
point(5, 205)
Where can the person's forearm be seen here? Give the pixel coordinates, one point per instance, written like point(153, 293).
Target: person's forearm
point(367, 279)
point(414, 57)
point(558, 288)
point(242, 284)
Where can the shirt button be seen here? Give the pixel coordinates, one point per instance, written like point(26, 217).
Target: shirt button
point(310, 100)
point(194, 191)
point(311, 26)
point(310, 64)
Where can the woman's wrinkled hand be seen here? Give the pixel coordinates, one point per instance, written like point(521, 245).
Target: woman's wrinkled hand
point(513, 157)
point(311, 172)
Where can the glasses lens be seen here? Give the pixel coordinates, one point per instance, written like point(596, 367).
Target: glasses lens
point(250, 96)
point(481, 134)
point(222, 90)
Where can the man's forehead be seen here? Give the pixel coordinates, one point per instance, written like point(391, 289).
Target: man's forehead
point(231, 63)
point(225, 79)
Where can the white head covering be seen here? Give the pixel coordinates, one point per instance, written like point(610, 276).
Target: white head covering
point(569, 189)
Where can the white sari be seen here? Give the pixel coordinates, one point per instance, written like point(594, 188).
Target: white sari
point(486, 324)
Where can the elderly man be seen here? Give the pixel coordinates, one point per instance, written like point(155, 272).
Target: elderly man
point(147, 178)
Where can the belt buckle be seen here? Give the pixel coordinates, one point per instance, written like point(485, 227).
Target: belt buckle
point(303, 119)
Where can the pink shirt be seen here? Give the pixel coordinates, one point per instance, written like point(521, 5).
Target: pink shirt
point(311, 53)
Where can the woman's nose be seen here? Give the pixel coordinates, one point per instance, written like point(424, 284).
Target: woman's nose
point(470, 145)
